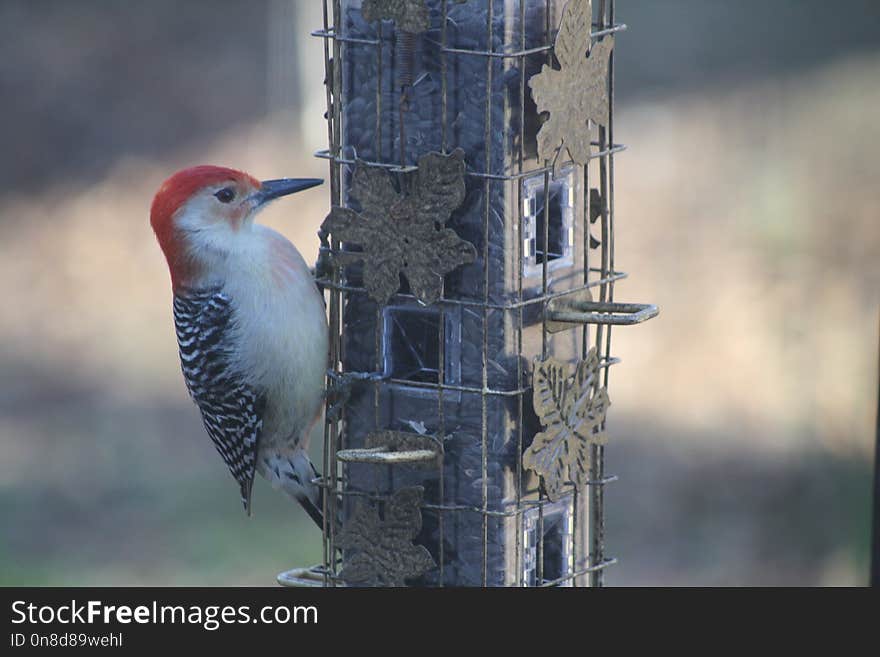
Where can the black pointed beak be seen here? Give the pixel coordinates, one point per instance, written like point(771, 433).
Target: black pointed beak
point(272, 189)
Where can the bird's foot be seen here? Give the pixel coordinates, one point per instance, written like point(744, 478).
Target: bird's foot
point(339, 389)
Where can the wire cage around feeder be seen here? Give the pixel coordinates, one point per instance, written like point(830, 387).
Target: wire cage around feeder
point(468, 262)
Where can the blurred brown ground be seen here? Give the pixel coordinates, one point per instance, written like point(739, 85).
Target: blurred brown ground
point(747, 208)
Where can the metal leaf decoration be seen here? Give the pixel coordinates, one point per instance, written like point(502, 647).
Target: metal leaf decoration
point(405, 232)
point(571, 408)
point(381, 551)
point(409, 15)
point(577, 92)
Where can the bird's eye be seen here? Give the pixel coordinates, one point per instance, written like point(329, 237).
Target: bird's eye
point(225, 195)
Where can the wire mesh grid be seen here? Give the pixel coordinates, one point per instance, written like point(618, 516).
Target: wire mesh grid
point(504, 538)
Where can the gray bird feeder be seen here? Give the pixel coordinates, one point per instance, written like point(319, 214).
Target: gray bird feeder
point(468, 263)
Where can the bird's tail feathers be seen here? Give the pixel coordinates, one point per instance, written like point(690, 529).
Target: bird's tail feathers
point(247, 489)
point(295, 474)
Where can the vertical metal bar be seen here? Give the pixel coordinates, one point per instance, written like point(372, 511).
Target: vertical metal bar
point(335, 306)
point(610, 156)
point(597, 467)
point(546, 236)
point(378, 364)
point(444, 147)
point(603, 191)
point(380, 327)
point(340, 470)
point(379, 66)
point(539, 566)
point(600, 574)
point(539, 537)
point(544, 262)
point(325, 457)
point(441, 373)
point(582, 497)
point(331, 429)
point(487, 189)
point(539, 570)
point(377, 338)
point(405, 44)
point(518, 263)
point(441, 379)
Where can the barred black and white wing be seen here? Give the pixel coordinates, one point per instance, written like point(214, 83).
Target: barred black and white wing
point(231, 410)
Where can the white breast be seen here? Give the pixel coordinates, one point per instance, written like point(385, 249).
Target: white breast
point(281, 331)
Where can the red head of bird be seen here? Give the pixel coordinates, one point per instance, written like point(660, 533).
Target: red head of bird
point(201, 212)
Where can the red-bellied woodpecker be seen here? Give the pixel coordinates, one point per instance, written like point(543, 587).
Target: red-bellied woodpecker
point(250, 325)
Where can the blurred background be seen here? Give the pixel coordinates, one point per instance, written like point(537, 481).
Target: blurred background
point(747, 208)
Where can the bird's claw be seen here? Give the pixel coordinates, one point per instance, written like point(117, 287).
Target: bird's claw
point(339, 389)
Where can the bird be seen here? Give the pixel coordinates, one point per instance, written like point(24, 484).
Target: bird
point(251, 325)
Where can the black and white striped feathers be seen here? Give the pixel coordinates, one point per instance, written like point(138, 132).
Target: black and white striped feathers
point(231, 410)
